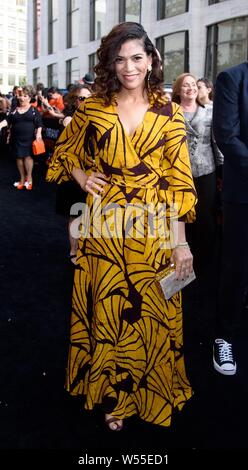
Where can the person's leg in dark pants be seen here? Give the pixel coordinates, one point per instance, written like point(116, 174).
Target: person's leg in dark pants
point(205, 225)
point(201, 295)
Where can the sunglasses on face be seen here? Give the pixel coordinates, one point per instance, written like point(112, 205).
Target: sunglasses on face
point(81, 98)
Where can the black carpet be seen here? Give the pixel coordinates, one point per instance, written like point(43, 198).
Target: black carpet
point(35, 412)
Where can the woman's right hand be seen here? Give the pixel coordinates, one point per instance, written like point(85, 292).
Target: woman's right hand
point(90, 183)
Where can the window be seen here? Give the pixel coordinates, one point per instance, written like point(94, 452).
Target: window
point(52, 75)
point(36, 28)
point(11, 59)
point(227, 45)
point(11, 80)
point(98, 13)
point(21, 3)
point(22, 46)
point(92, 63)
point(72, 23)
point(211, 2)
point(174, 53)
point(1, 79)
point(22, 80)
point(72, 70)
point(129, 10)
point(22, 59)
point(36, 76)
point(168, 8)
point(12, 44)
point(52, 26)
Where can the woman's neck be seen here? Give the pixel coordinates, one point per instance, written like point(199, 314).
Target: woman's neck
point(189, 106)
point(133, 96)
point(206, 101)
point(23, 106)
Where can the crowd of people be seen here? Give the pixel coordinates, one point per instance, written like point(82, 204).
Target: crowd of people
point(138, 160)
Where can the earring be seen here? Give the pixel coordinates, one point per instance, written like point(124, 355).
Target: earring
point(149, 72)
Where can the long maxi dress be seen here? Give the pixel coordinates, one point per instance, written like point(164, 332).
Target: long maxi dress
point(126, 339)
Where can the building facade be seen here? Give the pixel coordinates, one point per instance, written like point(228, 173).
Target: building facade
point(13, 40)
point(199, 36)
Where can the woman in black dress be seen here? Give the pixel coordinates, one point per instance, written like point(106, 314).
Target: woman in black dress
point(25, 125)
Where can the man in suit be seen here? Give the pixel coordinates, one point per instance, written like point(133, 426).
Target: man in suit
point(230, 125)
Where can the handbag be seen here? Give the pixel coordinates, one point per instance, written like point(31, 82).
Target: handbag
point(38, 147)
point(168, 282)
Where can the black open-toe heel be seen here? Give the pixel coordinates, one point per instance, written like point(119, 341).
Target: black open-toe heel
point(73, 258)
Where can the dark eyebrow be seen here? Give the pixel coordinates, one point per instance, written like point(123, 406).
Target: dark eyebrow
point(134, 55)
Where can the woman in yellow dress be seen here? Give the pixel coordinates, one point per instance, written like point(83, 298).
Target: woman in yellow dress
point(126, 339)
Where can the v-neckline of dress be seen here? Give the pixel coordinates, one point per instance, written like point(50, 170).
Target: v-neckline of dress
point(130, 137)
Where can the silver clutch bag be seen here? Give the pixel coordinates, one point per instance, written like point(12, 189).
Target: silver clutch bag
point(169, 284)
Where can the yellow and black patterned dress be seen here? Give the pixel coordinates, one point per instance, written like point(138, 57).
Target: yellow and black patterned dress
point(126, 339)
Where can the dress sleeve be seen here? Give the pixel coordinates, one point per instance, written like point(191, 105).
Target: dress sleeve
point(177, 187)
point(38, 119)
point(70, 149)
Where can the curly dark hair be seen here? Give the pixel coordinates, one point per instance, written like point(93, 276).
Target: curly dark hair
point(106, 83)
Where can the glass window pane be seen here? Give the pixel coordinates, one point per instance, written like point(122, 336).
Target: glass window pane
point(174, 56)
point(100, 18)
point(22, 80)
point(230, 54)
point(228, 45)
point(52, 75)
point(233, 29)
point(72, 67)
point(55, 36)
point(92, 63)
point(55, 9)
point(74, 4)
point(75, 28)
point(210, 35)
point(11, 59)
point(11, 80)
point(168, 8)
point(211, 2)
point(132, 10)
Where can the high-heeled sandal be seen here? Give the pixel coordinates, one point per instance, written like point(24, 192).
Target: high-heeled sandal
point(28, 185)
point(114, 424)
point(18, 185)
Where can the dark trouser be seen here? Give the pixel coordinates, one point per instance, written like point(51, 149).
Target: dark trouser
point(234, 271)
point(199, 298)
point(201, 234)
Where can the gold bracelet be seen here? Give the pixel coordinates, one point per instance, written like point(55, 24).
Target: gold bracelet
point(183, 244)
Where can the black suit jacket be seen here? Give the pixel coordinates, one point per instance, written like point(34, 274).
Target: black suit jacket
point(230, 124)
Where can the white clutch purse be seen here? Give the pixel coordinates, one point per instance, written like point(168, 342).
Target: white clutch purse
point(169, 284)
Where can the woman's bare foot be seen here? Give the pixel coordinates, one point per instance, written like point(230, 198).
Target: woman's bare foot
point(114, 424)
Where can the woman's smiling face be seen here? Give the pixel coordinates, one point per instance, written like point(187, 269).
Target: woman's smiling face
point(131, 64)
